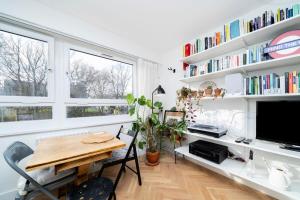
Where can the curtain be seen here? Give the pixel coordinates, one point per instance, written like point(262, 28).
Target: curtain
point(147, 77)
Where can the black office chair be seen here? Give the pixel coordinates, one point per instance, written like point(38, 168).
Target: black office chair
point(119, 155)
point(17, 152)
point(101, 188)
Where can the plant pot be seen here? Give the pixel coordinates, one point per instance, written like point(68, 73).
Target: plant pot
point(218, 92)
point(208, 92)
point(152, 158)
point(194, 94)
point(200, 93)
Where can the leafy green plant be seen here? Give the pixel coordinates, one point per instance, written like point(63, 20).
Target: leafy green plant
point(177, 131)
point(146, 122)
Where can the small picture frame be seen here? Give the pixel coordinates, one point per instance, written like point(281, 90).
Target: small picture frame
point(173, 117)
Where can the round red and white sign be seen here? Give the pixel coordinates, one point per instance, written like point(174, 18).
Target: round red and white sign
point(286, 44)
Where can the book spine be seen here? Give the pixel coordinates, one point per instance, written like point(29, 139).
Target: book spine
point(294, 82)
point(286, 75)
point(299, 82)
point(290, 82)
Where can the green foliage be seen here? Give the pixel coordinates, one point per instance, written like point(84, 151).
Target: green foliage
point(149, 125)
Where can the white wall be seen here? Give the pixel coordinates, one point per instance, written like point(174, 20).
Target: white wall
point(224, 108)
point(35, 12)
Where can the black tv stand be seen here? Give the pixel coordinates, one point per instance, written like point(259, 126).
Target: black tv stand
point(290, 147)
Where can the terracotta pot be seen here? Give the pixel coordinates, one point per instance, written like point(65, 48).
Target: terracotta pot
point(153, 157)
point(218, 92)
point(194, 93)
point(200, 93)
point(208, 92)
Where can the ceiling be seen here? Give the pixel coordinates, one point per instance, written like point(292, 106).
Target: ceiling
point(159, 25)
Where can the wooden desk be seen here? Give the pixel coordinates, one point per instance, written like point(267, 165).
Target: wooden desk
point(66, 152)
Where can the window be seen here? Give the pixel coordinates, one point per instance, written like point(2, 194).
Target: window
point(11, 114)
point(26, 78)
point(23, 66)
point(92, 111)
point(96, 77)
point(26, 60)
point(32, 88)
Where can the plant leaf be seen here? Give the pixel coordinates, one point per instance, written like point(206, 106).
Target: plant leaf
point(130, 99)
point(131, 110)
point(142, 100)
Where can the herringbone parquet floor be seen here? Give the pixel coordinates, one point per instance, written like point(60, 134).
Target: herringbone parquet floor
point(181, 181)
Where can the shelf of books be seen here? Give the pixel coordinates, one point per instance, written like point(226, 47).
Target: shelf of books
point(232, 97)
point(237, 171)
point(237, 35)
point(267, 64)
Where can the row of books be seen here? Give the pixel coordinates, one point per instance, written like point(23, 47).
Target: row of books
point(272, 84)
point(239, 27)
point(252, 55)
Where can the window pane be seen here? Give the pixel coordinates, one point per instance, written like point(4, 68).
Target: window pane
point(23, 65)
point(10, 114)
point(90, 111)
point(98, 78)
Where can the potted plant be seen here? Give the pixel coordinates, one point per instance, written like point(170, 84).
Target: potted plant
point(148, 124)
point(194, 93)
point(209, 90)
point(184, 92)
point(219, 92)
point(200, 93)
point(177, 131)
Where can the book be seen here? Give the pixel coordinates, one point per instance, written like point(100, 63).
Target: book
point(290, 82)
point(234, 29)
point(294, 81)
point(187, 51)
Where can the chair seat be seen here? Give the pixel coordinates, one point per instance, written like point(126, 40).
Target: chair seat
point(96, 189)
point(43, 177)
point(118, 155)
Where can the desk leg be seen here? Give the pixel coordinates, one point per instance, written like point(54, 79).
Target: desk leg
point(82, 174)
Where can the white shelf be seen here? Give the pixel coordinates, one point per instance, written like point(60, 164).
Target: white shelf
point(237, 171)
point(260, 145)
point(245, 40)
point(231, 97)
point(275, 63)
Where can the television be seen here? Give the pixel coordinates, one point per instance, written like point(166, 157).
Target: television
point(278, 121)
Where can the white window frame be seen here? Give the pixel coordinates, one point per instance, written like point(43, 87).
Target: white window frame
point(88, 101)
point(51, 69)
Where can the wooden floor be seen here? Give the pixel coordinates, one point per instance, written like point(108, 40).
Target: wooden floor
point(181, 181)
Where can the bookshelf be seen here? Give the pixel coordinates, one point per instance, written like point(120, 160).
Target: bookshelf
point(230, 97)
point(237, 171)
point(245, 40)
point(269, 64)
point(231, 168)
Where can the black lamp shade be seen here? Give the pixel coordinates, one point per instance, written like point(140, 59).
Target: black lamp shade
point(160, 90)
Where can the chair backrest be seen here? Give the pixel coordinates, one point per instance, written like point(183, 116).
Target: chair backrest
point(120, 131)
point(17, 152)
point(123, 164)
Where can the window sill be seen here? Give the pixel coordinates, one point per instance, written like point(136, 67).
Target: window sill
point(65, 128)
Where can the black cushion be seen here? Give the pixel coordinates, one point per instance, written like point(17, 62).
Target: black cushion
point(96, 188)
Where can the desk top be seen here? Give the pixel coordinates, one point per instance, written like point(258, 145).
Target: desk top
point(63, 149)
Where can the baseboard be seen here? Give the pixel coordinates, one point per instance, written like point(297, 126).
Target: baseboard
point(9, 195)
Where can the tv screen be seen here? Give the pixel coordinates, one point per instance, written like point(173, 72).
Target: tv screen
point(278, 121)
